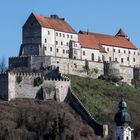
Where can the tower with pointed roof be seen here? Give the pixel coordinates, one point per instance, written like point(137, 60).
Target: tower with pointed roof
point(122, 130)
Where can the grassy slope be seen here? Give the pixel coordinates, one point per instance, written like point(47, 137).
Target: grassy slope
point(101, 99)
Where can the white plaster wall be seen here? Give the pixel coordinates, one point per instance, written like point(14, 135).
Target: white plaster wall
point(124, 53)
point(60, 37)
point(50, 40)
point(88, 54)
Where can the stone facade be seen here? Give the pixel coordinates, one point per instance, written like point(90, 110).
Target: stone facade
point(11, 88)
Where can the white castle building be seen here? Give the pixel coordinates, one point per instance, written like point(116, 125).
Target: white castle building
point(53, 36)
point(51, 40)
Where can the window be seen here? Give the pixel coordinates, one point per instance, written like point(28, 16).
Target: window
point(61, 43)
point(57, 50)
point(121, 60)
point(63, 35)
point(103, 58)
point(129, 52)
point(108, 49)
point(127, 138)
point(56, 34)
point(133, 59)
point(124, 51)
point(83, 52)
point(127, 58)
point(92, 56)
point(56, 42)
point(60, 34)
point(45, 48)
point(109, 58)
point(134, 53)
point(113, 50)
point(119, 51)
point(67, 44)
point(71, 36)
point(51, 49)
point(116, 60)
point(75, 51)
point(75, 65)
point(45, 40)
point(48, 32)
point(67, 35)
point(63, 51)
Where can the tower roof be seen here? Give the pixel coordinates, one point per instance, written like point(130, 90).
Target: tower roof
point(121, 33)
point(122, 117)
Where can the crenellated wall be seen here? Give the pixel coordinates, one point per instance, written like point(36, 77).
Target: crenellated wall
point(16, 62)
point(11, 87)
point(75, 67)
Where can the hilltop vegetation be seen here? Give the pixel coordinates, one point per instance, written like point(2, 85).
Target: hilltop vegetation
point(101, 99)
point(24, 119)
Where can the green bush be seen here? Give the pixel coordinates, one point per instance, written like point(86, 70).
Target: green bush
point(38, 81)
point(18, 79)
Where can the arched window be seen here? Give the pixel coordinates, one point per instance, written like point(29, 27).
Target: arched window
point(92, 56)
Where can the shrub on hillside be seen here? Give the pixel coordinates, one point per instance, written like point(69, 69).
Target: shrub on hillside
point(38, 81)
point(18, 79)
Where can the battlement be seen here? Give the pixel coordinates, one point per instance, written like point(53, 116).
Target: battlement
point(26, 74)
point(15, 57)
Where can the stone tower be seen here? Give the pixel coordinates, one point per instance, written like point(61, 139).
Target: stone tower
point(122, 130)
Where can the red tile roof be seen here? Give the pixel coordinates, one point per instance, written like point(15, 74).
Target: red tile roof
point(102, 39)
point(90, 42)
point(54, 23)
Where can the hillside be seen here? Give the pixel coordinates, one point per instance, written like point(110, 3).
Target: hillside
point(22, 119)
point(101, 99)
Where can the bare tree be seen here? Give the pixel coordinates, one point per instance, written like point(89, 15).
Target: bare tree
point(2, 64)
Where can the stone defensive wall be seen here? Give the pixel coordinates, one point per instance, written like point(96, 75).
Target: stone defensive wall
point(75, 67)
point(127, 73)
point(15, 62)
point(21, 85)
point(75, 103)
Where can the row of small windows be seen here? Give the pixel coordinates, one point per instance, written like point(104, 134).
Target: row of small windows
point(110, 59)
point(57, 50)
point(64, 35)
point(67, 44)
point(119, 51)
point(122, 59)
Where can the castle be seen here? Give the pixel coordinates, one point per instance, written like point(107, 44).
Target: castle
point(51, 40)
point(50, 45)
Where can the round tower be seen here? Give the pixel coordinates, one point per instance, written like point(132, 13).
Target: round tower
point(122, 130)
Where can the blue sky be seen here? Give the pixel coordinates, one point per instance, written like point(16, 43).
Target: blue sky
point(103, 16)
